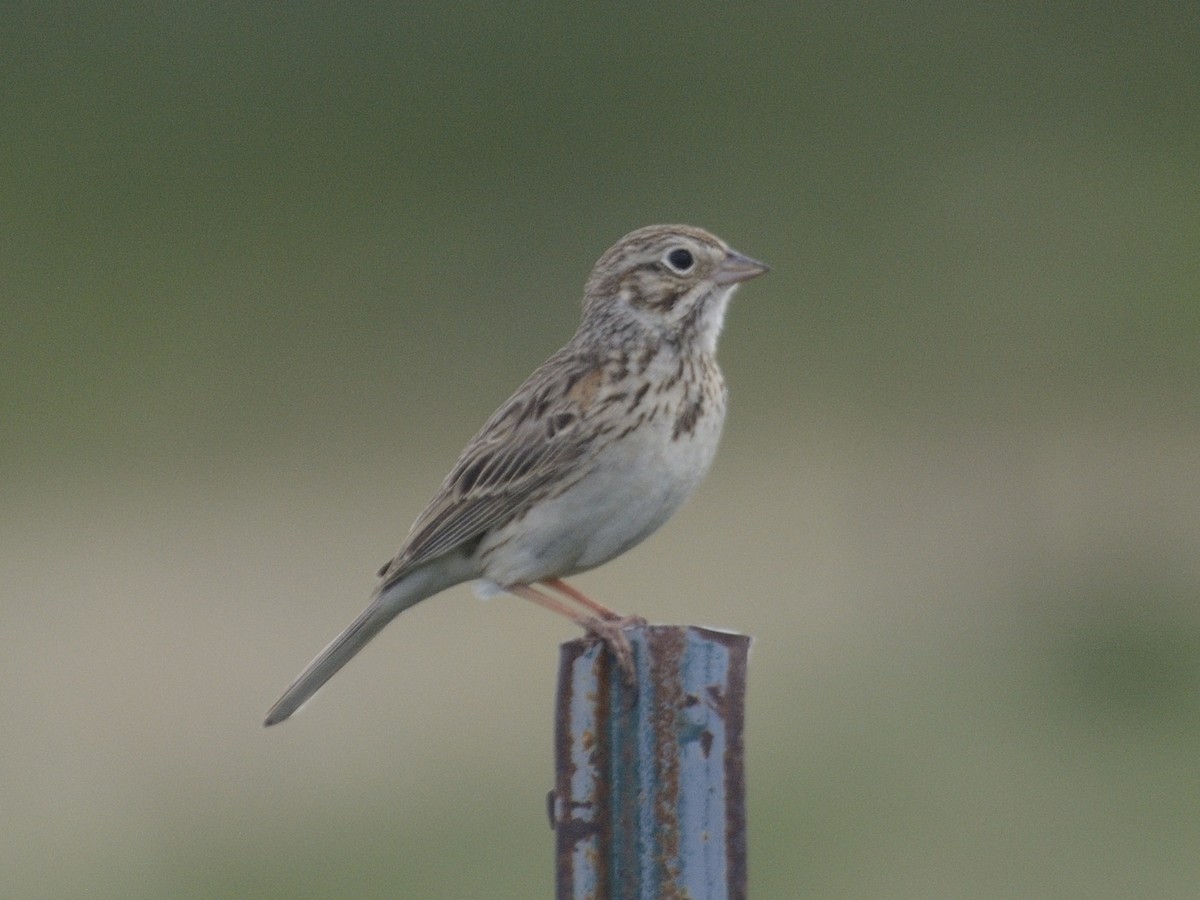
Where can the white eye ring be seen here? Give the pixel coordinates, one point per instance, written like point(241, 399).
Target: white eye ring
point(680, 259)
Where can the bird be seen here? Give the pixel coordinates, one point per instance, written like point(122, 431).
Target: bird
point(592, 453)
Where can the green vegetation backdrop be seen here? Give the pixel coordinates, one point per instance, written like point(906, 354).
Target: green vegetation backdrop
point(263, 270)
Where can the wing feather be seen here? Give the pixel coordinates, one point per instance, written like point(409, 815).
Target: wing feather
point(532, 440)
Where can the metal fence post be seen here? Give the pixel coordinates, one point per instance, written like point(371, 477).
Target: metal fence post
point(649, 800)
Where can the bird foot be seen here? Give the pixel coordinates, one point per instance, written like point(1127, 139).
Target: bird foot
point(612, 633)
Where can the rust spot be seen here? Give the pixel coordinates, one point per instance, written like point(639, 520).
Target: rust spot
point(586, 823)
point(667, 647)
point(716, 700)
point(579, 820)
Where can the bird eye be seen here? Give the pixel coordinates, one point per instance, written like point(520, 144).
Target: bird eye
point(680, 260)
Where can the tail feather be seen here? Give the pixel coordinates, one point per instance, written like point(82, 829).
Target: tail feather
point(392, 601)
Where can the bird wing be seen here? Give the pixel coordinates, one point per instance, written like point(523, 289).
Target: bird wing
point(534, 439)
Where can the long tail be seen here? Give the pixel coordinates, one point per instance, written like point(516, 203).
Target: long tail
point(385, 606)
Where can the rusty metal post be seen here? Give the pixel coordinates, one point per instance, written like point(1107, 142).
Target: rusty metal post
point(649, 800)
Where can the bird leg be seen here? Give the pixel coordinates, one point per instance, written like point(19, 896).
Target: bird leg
point(608, 630)
point(583, 599)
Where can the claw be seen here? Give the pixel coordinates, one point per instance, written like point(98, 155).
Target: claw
point(612, 633)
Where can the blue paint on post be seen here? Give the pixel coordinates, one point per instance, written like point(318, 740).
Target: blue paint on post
point(649, 799)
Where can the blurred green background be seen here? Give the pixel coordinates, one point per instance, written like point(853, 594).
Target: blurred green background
point(264, 270)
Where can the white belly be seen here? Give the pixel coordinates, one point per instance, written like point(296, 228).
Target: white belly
point(634, 487)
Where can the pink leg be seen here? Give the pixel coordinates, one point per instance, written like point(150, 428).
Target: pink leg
point(582, 599)
point(608, 630)
point(551, 603)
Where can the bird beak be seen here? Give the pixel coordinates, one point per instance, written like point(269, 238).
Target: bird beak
point(736, 267)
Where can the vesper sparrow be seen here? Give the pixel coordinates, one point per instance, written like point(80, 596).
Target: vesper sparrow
point(595, 451)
